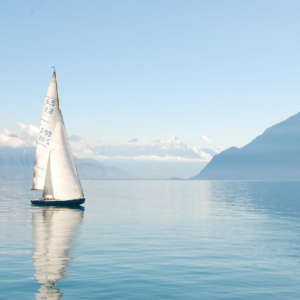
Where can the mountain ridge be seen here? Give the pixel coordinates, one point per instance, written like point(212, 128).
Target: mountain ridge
point(273, 155)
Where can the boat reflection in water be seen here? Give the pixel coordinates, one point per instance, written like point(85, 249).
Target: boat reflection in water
point(54, 237)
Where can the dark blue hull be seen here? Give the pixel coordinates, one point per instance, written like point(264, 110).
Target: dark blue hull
point(58, 203)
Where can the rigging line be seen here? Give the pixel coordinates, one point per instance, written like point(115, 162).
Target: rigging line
point(57, 90)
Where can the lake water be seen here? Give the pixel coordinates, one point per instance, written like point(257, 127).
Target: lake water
point(153, 240)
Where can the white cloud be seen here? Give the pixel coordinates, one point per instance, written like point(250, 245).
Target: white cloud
point(219, 149)
point(162, 158)
point(206, 139)
point(206, 157)
point(152, 157)
point(26, 138)
point(6, 131)
point(169, 149)
point(8, 141)
point(29, 133)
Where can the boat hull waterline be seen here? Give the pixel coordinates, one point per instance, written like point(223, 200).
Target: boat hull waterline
point(57, 202)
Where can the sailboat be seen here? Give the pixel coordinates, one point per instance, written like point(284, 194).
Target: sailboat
point(54, 170)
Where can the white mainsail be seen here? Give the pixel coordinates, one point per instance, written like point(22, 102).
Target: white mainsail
point(62, 180)
point(55, 170)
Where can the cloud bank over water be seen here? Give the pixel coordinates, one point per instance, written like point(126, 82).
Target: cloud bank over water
point(162, 158)
point(27, 136)
point(171, 149)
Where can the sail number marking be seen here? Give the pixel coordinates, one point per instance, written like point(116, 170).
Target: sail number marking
point(44, 140)
point(49, 111)
point(46, 132)
point(51, 102)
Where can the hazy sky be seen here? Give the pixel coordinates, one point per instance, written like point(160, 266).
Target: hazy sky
point(144, 69)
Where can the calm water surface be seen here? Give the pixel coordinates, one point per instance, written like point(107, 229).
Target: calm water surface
point(153, 240)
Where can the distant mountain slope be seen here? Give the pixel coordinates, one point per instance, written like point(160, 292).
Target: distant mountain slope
point(274, 155)
point(17, 163)
point(89, 168)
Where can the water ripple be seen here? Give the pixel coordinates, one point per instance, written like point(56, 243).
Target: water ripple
point(153, 240)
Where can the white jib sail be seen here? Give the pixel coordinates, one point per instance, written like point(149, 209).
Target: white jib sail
point(46, 131)
point(62, 181)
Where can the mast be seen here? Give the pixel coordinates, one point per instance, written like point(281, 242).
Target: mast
point(54, 72)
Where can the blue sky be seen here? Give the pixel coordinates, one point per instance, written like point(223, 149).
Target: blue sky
point(144, 69)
